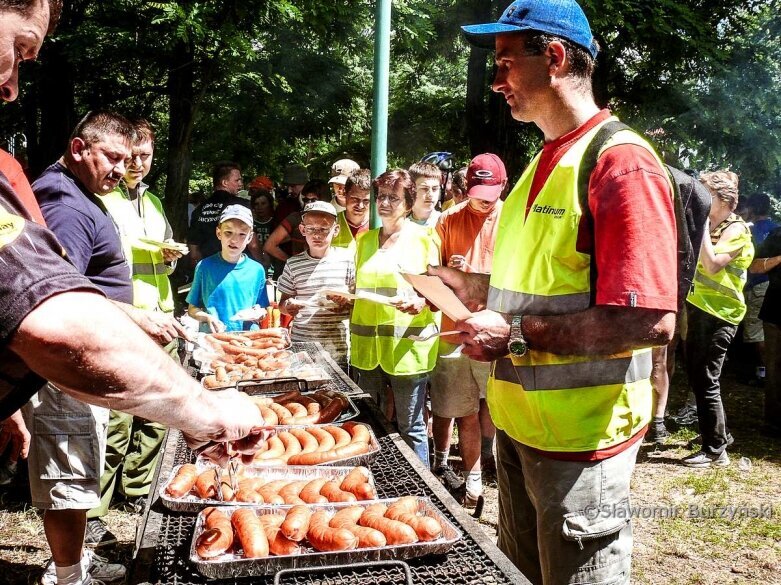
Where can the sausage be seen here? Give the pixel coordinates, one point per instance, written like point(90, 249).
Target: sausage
point(324, 439)
point(291, 443)
point(332, 411)
point(270, 491)
point(206, 485)
point(253, 351)
point(249, 495)
point(332, 491)
point(359, 432)
point(210, 381)
point(296, 409)
point(357, 482)
point(311, 492)
point(395, 532)
point(308, 441)
point(341, 436)
point(278, 544)
point(270, 418)
point(296, 523)
point(275, 450)
point(348, 518)
point(285, 418)
point(217, 536)
point(277, 462)
point(290, 493)
point(324, 538)
point(287, 397)
point(405, 510)
point(351, 450)
point(226, 488)
point(274, 333)
point(251, 534)
point(183, 482)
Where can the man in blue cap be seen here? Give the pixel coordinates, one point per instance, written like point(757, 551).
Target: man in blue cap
point(569, 390)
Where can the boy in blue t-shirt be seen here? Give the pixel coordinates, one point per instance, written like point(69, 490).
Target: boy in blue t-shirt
point(229, 282)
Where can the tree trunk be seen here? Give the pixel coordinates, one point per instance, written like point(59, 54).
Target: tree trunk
point(181, 118)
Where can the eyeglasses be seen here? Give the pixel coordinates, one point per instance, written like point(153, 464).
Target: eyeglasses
point(315, 231)
point(357, 201)
point(392, 200)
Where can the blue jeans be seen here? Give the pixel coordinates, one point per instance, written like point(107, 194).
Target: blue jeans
point(409, 399)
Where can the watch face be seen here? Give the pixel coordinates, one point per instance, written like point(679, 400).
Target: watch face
point(517, 348)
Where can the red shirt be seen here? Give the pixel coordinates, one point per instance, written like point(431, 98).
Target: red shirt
point(12, 170)
point(629, 197)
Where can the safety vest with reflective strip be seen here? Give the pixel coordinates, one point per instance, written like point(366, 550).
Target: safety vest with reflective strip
point(548, 401)
point(151, 287)
point(378, 333)
point(344, 239)
point(721, 294)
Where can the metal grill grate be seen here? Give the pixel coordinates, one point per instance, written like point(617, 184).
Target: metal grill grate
point(465, 564)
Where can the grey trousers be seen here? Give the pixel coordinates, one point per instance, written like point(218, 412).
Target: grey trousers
point(565, 522)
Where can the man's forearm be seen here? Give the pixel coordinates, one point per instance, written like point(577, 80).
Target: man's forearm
point(92, 350)
point(601, 330)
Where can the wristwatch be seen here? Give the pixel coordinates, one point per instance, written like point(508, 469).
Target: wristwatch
point(517, 345)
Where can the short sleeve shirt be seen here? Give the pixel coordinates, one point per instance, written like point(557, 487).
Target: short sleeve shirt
point(86, 231)
point(223, 289)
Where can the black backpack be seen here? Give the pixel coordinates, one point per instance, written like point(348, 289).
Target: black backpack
point(691, 200)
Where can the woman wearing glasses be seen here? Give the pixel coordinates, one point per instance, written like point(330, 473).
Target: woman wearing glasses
point(381, 353)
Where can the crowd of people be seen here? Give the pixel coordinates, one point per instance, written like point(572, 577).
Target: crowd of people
point(553, 382)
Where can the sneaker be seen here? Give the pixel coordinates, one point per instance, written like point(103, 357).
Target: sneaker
point(657, 433)
point(686, 411)
point(99, 571)
point(696, 442)
point(453, 482)
point(104, 572)
point(702, 460)
point(98, 534)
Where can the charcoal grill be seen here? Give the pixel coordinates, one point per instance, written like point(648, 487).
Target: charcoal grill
point(163, 539)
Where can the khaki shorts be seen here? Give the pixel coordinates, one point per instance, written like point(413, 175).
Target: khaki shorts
point(67, 450)
point(752, 326)
point(457, 385)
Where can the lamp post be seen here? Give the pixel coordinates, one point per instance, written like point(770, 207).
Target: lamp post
point(379, 155)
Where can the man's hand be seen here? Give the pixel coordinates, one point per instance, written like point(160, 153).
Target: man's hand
point(410, 305)
point(237, 428)
point(486, 335)
point(15, 437)
point(171, 256)
point(471, 289)
point(162, 327)
point(215, 325)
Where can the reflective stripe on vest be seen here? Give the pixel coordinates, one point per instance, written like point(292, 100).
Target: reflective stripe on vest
point(618, 370)
point(151, 287)
point(721, 294)
point(378, 333)
point(548, 401)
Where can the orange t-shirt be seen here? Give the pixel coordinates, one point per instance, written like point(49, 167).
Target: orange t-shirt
point(466, 232)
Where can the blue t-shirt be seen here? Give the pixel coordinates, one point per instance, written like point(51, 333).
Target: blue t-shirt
point(86, 231)
point(759, 232)
point(223, 289)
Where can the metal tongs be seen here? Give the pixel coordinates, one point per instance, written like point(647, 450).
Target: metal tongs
point(233, 472)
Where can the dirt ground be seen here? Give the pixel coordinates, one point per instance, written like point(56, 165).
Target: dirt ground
point(692, 527)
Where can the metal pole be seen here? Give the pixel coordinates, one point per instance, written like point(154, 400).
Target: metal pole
point(381, 84)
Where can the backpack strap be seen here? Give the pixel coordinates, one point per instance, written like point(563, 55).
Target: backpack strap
point(587, 164)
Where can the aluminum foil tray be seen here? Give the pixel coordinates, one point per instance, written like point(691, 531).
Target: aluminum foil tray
point(253, 389)
point(192, 503)
point(365, 459)
point(302, 367)
point(232, 566)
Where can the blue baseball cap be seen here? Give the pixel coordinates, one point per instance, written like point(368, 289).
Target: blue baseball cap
point(563, 18)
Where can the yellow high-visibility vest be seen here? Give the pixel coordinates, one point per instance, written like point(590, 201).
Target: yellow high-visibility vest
point(378, 333)
point(151, 287)
point(721, 294)
point(549, 401)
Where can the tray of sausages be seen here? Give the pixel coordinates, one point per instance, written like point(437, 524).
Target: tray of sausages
point(233, 542)
point(299, 408)
point(191, 487)
point(278, 366)
point(343, 444)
